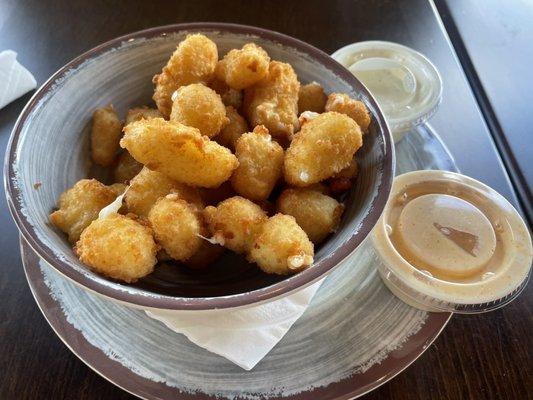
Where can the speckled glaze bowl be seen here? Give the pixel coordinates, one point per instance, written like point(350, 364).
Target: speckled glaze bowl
point(49, 151)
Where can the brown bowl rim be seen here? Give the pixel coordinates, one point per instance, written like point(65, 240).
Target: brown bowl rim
point(139, 297)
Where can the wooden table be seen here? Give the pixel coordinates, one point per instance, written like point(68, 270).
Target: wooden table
point(494, 48)
point(478, 357)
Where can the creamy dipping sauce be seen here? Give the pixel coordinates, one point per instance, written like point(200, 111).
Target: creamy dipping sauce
point(450, 243)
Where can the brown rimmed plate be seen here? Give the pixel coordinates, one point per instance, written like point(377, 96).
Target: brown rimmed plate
point(354, 337)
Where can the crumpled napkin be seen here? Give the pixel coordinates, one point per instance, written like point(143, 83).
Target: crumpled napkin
point(244, 335)
point(15, 80)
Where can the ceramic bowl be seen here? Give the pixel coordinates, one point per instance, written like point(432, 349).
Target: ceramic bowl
point(49, 151)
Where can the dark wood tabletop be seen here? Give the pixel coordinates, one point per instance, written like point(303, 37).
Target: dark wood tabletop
point(486, 356)
point(494, 47)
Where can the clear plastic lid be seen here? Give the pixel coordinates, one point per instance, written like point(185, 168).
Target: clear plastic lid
point(450, 243)
point(406, 84)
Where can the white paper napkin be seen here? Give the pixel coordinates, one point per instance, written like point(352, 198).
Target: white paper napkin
point(15, 80)
point(243, 336)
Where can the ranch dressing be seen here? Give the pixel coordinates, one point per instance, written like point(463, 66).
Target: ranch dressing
point(406, 85)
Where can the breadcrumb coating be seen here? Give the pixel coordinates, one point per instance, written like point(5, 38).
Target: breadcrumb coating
point(179, 152)
point(236, 127)
point(177, 226)
point(311, 97)
point(149, 186)
point(260, 164)
point(118, 247)
point(355, 109)
point(80, 205)
point(324, 146)
point(273, 101)
point(234, 223)
point(316, 213)
point(105, 135)
point(127, 167)
point(281, 246)
point(241, 68)
point(198, 106)
point(194, 61)
point(138, 113)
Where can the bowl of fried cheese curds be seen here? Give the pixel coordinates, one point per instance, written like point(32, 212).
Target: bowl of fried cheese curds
point(199, 166)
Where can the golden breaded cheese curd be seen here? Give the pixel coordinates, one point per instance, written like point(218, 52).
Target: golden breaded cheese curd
point(316, 213)
point(307, 116)
point(127, 167)
point(118, 247)
point(349, 172)
point(260, 164)
point(273, 101)
point(138, 113)
point(324, 146)
point(236, 127)
point(241, 68)
point(118, 188)
point(311, 97)
point(80, 205)
point(355, 109)
point(194, 61)
point(281, 246)
point(177, 226)
point(105, 135)
point(198, 106)
point(149, 186)
point(234, 223)
point(230, 97)
point(179, 152)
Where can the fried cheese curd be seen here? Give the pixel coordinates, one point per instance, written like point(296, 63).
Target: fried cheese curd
point(179, 152)
point(127, 167)
point(316, 213)
point(273, 101)
point(260, 164)
point(324, 146)
point(355, 109)
point(234, 223)
point(200, 107)
point(311, 97)
point(194, 61)
point(230, 97)
point(118, 247)
point(307, 116)
point(236, 127)
point(281, 246)
point(138, 113)
point(343, 180)
point(349, 172)
point(241, 68)
point(118, 188)
point(235, 154)
point(177, 226)
point(105, 135)
point(80, 205)
point(148, 186)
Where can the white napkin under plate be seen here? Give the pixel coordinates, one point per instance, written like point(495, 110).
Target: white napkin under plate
point(15, 80)
point(244, 335)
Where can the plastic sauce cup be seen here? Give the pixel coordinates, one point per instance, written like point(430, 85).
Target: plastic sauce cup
point(406, 85)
